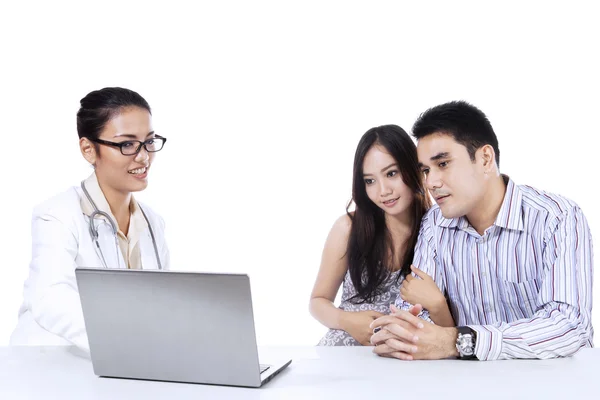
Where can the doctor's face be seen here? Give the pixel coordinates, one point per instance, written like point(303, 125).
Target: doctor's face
point(125, 173)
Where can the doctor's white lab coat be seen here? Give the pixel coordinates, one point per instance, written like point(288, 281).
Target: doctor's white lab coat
point(51, 312)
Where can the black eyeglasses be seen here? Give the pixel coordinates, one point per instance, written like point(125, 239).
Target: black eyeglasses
point(132, 147)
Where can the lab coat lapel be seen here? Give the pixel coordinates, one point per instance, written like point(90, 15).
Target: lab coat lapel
point(147, 250)
point(108, 245)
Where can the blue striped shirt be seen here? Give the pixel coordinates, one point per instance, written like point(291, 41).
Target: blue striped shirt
point(525, 286)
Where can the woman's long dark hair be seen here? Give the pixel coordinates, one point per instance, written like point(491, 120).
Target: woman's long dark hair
point(370, 248)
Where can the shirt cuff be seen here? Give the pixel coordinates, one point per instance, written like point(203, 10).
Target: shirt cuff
point(488, 345)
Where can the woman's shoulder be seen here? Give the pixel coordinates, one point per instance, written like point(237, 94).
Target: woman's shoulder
point(64, 208)
point(60, 205)
point(337, 239)
point(343, 224)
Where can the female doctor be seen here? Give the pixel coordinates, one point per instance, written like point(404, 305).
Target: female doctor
point(95, 224)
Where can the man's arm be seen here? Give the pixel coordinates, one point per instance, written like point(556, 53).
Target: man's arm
point(562, 325)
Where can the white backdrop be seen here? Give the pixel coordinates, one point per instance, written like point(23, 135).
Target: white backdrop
point(263, 104)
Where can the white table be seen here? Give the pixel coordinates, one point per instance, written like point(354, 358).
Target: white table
point(315, 373)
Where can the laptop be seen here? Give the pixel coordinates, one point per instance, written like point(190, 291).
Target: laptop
point(172, 326)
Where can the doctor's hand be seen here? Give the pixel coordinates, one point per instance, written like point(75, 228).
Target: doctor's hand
point(422, 290)
point(407, 337)
point(357, 324)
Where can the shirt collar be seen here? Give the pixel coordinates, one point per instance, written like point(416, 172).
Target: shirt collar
point(510, 215)
point(93, 188)
point(460, 222)
point(137, 222)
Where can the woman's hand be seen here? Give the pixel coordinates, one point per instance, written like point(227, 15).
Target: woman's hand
point(358, 325)
point(422, 290)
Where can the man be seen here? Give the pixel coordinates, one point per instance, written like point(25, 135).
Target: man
point(515, 262)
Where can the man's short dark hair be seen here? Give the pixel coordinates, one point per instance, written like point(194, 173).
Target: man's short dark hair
point(467, 124)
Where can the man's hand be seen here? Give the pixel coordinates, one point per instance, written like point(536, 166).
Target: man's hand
point(357, 324)
point(407, 337)
point(422, 290)
point(401, 335)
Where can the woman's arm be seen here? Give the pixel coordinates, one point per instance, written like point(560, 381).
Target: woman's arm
point(51, 289)
point(423, 290)
point(441, 315)
point(334, 265)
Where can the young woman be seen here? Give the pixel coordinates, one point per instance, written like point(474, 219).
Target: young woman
point(95, 224)
point(370, 250)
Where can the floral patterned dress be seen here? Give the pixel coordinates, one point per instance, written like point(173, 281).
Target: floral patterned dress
point(390, 294)
point(390, 290)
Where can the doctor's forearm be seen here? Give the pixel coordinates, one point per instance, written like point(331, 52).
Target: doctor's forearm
point(59, 312)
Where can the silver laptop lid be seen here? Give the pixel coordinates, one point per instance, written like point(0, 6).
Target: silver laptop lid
point(172, 326)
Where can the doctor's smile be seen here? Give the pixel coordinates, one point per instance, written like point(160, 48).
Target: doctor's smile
point(139, 172)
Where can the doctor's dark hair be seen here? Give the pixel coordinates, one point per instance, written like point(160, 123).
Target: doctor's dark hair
point(370, 249)
point(467, 124)
point(99, 106)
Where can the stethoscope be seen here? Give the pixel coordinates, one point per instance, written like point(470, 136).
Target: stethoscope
point(94, 229)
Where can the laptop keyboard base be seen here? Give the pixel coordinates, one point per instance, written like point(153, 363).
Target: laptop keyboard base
point(264, 367)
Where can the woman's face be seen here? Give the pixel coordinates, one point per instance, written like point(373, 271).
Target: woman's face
point(123, 173)
point(383, 182)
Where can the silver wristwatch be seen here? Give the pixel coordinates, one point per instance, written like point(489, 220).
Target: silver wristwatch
point(465, 342)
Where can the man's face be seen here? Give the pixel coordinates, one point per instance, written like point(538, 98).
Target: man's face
point(456, 183)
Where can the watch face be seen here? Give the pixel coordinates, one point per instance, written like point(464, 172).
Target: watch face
point(467, 350)
point(465, 345)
